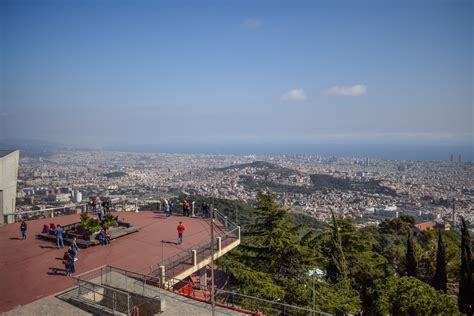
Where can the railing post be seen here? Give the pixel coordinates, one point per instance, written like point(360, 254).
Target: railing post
point(225, 221)
point(219, 245)
point(162, 274)
point(113, 302)
point(194, 257)
point(238, 232)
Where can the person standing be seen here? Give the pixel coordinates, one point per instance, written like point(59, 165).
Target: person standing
point(171, 208)
point(59, 236)
point(69, 263)
point(180, 230)
point(23, 229)
point(74, 245)
point(94, 205)
point(100, 214)
point(167, 208)
point(186, 208)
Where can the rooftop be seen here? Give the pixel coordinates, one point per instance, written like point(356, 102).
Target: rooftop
point(32, 269)
point(4, 152)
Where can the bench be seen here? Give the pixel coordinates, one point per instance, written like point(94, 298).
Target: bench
point(116, 232)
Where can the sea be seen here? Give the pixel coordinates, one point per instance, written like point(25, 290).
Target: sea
point(386, 152)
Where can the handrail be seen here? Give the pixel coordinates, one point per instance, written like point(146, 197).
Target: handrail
point(273, 304)
point(48, 209)
point(36, 214)
point(236, 298)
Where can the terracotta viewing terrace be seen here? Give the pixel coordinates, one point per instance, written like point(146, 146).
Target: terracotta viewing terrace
point(32, 269)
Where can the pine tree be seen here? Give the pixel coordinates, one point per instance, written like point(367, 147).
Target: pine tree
point(337, 267)
point(440, 279)
point(411, 263)
point(271, 252)
point(466, 292)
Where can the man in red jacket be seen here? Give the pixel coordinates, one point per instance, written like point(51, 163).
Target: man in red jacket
point(180, 233)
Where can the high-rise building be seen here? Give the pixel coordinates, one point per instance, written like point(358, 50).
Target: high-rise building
point(9, 160)
point(452, 158)
point(459, 158)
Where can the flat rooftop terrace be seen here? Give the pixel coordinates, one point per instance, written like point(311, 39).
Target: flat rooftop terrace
point(32, 269)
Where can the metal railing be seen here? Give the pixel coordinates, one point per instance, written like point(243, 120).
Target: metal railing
point(236, 301)
point(244, 302)
point(44, 213)
point(117, 289)
point(185, 258)
point(105, 296)
point(225, 220)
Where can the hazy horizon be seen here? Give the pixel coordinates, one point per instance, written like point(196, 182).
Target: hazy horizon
point(372, 151)
point(287, 73)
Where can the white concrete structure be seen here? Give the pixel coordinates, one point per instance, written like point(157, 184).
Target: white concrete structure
point(78, 197)
point(9, 160)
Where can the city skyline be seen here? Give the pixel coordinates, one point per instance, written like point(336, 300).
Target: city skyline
point(161, 73)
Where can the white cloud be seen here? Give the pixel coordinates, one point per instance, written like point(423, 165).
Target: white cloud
point(251, 24)
point(348, 91)
point(295, 95)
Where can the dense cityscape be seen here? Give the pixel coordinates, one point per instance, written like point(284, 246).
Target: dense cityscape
point(366, 190)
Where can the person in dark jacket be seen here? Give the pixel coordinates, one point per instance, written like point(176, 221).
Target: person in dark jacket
point(68, 260)
point(23, 229)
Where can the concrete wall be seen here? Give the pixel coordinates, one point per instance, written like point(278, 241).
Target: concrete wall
point(8, 180)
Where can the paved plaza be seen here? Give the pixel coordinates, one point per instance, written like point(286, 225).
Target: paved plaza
point(32, 269)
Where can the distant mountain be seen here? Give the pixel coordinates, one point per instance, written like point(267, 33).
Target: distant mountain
point(267, 172)
point(264, 168)
point(34, 147)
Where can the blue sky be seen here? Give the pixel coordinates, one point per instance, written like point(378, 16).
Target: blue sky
point(237, 72)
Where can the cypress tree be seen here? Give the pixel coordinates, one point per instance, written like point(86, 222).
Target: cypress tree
point(466, 292)
point(411, 264)
point(440, 279)
point(337, 267)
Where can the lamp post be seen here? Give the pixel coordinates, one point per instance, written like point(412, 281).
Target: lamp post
point(162, 253)
point(212, 260)
point(313, 273)
point(314, 297)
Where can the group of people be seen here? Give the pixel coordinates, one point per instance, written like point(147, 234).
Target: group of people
point(104, 207)
point(69, 258)
point(58, 231)
point(186, 208)
point(104, 236)
point(168, 207)
point(206, 209)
